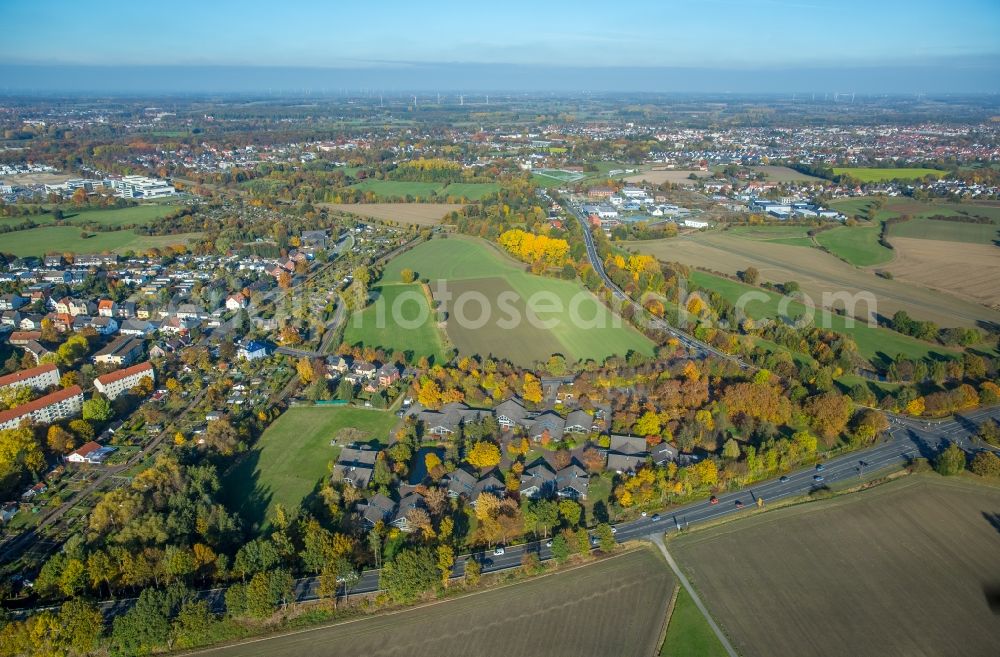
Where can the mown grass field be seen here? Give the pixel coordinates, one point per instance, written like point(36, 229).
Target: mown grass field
point(613, 607)
point(472, 265)
point(688, 633)
point(857, 245)
point(291, 457)
point(471, 191)
point(393, 322)
point(421, 214)
point(390, 189)
point(113, 218)
point(946, 231)
point(67, 239)
point(874, 174)
point(901, 569)
point(791, 235)
point(873, 343)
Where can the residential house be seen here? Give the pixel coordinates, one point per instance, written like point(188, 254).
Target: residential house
point(8, 511)
point(400, 518)
point(106, 308)
point(12, 301)
point(572, 482)
point(579, 421)
point(449, 419)
point(510, 413)
point(137, 327)
point(34, 491)
point(626, 454)
point(256, 349)
point(355, 465)
point(548, 424)
point(538, 480)
point(21, 338)
point(387, 375)
point(122, 351)
point(378, 508)
point(92, 453)
point(462, 482)
point(37, 351)
point(236, 301)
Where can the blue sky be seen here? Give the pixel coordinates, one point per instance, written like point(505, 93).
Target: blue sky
point(675, 33)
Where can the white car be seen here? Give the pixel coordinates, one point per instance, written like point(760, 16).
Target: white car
point(614, 530)
point(497, 552)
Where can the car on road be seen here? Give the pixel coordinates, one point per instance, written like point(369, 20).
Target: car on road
point(498, 551)
point(643, 514)
point(614, 530)
point(713, 500)
point(820, 467)
point(739, 504)
point(783, 479)
point(817, 477)
point(656, 516)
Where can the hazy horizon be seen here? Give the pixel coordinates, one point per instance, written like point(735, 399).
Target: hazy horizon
point(740, 46)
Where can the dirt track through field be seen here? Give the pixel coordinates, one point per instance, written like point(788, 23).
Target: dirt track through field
point(817, 272)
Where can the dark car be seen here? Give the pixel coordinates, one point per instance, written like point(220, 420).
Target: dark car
point(817, 477)
point(739, 505)
point(713, 500)
point(783, 479)
point(820, 467)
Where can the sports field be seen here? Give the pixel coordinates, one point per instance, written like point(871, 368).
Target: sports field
point(613, 607)
point(399, 319)
point(67, 239)
point(874, 174)
point(816, 272)
point(581, 326)
point(421, 214)
point(291, 457)
point(901, 569)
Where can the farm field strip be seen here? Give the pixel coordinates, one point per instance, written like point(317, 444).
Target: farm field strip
point(613, 607)
point(816, 272)
point(827, 578)
point(875, 174)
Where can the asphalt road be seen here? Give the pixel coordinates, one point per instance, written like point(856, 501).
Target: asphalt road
point(692, 343)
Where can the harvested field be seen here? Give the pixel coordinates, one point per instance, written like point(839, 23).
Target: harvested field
point(660, 176)
point(896, 570)
point(816, 272)
point(612, 607)
point(946, 231)
point(525, 344)
point(421, 214)
point(39, 178)
point(970, 271)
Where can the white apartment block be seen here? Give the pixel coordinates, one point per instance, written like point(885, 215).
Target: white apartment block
point(60, 405)
point(121, 381)
point(39, 378)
